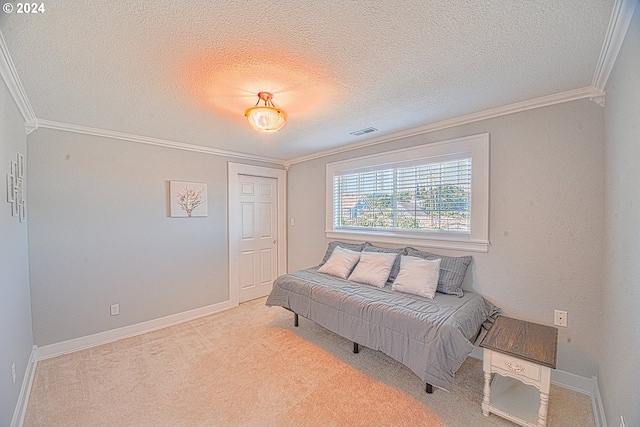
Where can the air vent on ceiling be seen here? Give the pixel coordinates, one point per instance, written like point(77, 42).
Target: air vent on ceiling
point(363, 131)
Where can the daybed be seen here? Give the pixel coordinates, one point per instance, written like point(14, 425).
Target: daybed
point(432, 337)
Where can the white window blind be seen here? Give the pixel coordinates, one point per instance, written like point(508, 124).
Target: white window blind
point(431, 195)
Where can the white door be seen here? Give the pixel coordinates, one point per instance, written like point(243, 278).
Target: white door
point(258, 246)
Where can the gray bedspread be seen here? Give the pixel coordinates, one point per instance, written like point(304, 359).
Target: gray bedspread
point(430, 337)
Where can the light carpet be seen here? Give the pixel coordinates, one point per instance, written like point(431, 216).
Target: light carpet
point(249, 366)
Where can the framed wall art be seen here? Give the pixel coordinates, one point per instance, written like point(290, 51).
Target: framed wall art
point(187, 199)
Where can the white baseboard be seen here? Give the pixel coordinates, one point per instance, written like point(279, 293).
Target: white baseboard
point(584, 385)
point(596, 402)
point(588, 386)
point(571, 381)
point(25, 390)
point(57, 349)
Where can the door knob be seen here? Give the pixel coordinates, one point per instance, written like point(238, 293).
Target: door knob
point(274, 242)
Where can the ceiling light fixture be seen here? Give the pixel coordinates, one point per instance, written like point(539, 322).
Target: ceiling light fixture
point(266, 118)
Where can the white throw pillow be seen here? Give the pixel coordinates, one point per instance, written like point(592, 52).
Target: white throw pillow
point(373, 268)
point(418, 276)
point(340, 263)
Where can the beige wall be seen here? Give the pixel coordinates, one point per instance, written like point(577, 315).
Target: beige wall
point(16, 338)
point(100, 234)
point(546, 217)
point(620, 351)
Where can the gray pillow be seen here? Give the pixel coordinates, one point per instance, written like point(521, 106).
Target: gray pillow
point(332, 245)
point(395, 269)
point(452, 271)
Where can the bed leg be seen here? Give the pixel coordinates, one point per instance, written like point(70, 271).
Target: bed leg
point(429, 388)
point(356, 348)
point(295, 319)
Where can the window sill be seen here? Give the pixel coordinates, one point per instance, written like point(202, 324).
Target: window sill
point(456, 244)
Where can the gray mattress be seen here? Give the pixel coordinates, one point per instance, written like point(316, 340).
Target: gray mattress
point(430, 337)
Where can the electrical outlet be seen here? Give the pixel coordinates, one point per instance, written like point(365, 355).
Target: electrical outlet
point(115, 309)
point(293, 221)
point(560, 318)
point(13, 372)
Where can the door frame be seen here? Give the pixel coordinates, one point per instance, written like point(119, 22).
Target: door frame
point(234, 224)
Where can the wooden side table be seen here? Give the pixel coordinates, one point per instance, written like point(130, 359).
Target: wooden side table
point(520, 353)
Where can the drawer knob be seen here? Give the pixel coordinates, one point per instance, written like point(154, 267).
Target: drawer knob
point(514, 366)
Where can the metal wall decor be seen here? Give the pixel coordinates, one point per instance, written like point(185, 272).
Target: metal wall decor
point(15, 188)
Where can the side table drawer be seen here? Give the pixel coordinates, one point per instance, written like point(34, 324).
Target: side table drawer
point(515, 366)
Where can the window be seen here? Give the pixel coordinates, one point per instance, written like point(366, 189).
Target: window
point(433, 195)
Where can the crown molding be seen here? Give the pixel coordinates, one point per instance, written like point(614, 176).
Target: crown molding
point(571, 95)
point(31, 125)
point(50, 124)
point(11, 79)
point(597, 96)
point(618, 25)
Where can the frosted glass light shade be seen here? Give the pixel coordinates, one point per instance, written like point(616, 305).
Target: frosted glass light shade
point(265, 118)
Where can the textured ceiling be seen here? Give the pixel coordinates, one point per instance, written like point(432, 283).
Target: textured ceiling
point(185, 71)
